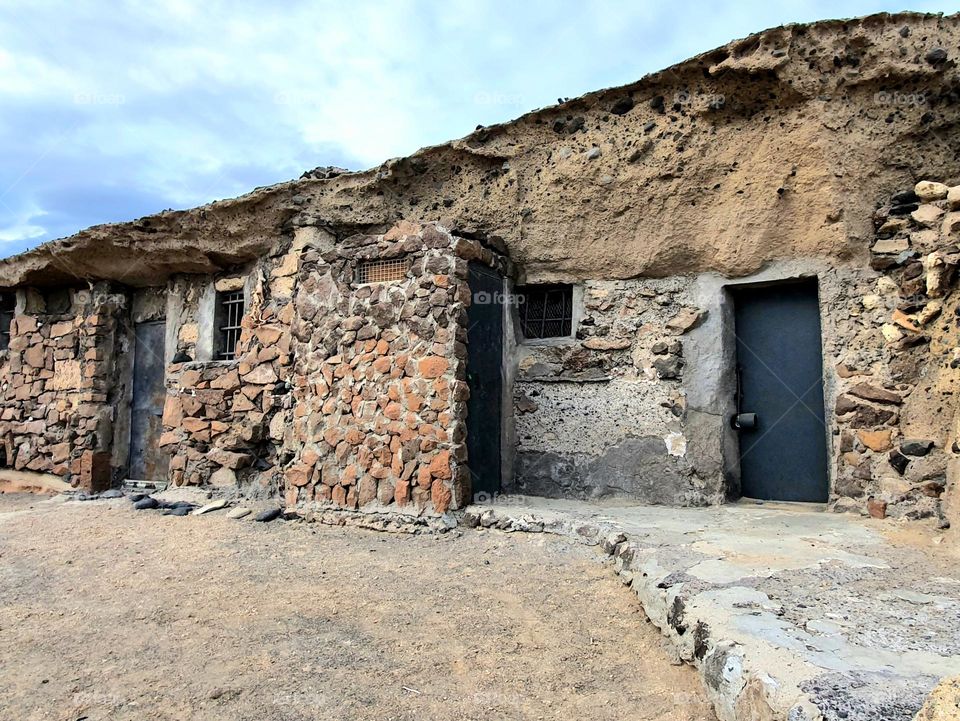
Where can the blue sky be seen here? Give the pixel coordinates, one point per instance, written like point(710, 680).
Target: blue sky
point(114, 110)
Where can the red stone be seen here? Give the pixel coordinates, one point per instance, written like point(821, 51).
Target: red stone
point(441, 497)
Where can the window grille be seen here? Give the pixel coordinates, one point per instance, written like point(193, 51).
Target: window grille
point(546, 311)
point(382, 271)
point(8, 302)
point(230, 308)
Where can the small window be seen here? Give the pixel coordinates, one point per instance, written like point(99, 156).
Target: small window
point(546, 311)
point(58, 301)
point(382, 271)
point(230, 309)
point(8, 301)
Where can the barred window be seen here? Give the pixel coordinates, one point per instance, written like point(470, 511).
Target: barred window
point(8, 302)
point(546, 311)
point(382, 271)
point(230, 309)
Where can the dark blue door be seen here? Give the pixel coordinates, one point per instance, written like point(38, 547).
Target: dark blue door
point(147, 461)
point(783, 449)
point(485, 378)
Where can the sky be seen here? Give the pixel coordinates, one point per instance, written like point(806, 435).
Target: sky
point(115, 109)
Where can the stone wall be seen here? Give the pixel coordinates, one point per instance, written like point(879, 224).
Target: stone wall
point(57, 396)
point(380, 391)
point(342, 394)
point(637, 404)
point(223, 420)
point(603, 414)
point(896, 408)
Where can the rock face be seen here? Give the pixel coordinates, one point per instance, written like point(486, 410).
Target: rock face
point(943, 703)
point(783, 141)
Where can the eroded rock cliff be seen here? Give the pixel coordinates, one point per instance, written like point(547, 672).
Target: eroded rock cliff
point(776, 146)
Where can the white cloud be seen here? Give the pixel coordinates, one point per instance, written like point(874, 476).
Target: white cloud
point(23, 227)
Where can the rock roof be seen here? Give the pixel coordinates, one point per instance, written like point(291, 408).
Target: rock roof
point(778, 145)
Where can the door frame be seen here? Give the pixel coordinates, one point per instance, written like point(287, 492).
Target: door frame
point(728, 383)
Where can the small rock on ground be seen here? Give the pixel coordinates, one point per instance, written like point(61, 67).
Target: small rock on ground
point(212, 506)
point(268, 515)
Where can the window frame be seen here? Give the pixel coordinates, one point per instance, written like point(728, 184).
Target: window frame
point(367, 266)
point(570, 314)
point(230, 307)
point(8, 309)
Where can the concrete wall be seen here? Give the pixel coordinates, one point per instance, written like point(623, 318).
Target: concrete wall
point(605, 413)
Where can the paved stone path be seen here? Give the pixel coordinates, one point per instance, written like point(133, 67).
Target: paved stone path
point(784, 609)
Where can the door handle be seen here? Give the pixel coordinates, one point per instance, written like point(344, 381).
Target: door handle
point(740, 421)
point(744, 421)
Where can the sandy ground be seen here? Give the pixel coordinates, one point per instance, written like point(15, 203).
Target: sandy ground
point(110, 613)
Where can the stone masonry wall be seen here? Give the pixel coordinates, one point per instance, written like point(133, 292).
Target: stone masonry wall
point(379, 386)
point(223, 420)
point(896, 407)
point(342, 394)
point(56, 397)
point(603, 414)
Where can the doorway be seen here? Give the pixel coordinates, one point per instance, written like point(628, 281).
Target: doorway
point(147, 462)
point(485, 379)
point(780, 413)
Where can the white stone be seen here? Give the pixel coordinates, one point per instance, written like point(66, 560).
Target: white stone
point(927, 215)
point(930, 312)
point(935, 268)
point(951, 223)
point(891, 332)
point(953, 197)
point(239, 512)
point(891, 245)
point(886, 286)
point(929, 190)
point(212, 506)
point(871, 301)
point(676, 444)
point(228, 284)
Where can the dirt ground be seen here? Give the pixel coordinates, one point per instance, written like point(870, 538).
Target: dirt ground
point(111, 613)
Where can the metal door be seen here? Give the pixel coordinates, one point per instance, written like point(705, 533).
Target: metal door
point(147, 462)
point(783, 446)
point(485, 378)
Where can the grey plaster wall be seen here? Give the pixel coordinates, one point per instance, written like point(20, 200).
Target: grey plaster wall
point(603, 414)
